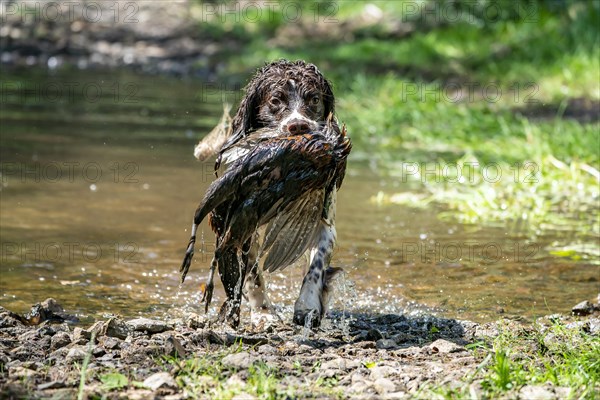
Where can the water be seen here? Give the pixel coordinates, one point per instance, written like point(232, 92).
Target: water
point(99, 187)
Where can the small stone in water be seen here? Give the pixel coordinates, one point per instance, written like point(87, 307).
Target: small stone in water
point(583, 308)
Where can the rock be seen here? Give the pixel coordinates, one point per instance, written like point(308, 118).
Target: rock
point(109, 343)
point(535, 392)
point(116, 327)
point(148, 325)
point(381, 371)
point(243, 396)
point(384, 385)
point(76, 353)
point(267, 349)
point(373, 335)
point(476, 390)
point(98, 351)
point(97, 328)
point(386, 344)
point(359, 387)
point(173, 347)
point(235, 380)
point(159, 380)
point(238, 360)
point(20, 372)
point(51, 385)
point(336, 363)
point(486, 331)
point(550, 340)
point(594, 326)
point(81, 336)
point(352, 364)
point(396, 396)
point(9, 319)
point(562, 392)
point(445, 347)
point(194, 321)
point(58, 355)
point(583, 308)
point(48, 310)
point(52, 305)
point(60, 339)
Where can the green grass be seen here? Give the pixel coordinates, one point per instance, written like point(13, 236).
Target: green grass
point(205, 375)
point(562, 356)
point(454, 89)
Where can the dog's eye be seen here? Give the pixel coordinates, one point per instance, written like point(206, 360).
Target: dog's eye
point(315, 100)
point(275, 102)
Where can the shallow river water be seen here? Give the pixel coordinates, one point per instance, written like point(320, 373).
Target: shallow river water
point(99, 186)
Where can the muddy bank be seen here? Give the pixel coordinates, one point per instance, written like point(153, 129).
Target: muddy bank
point(184, 38)
point(154, 37)
point(353, 356)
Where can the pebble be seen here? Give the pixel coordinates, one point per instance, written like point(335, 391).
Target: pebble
point(174, 348)
point(536, 392)
point(109, 343)
point(373, 335)
point(382, 371)
point(583, 308)
point(76, 353)
point(81, 336)
point(336, 363)
point(20, 372)
point(359, 387)
point(159, 380)
point(51, 385)
point(386, 344)
point(115, 327)
point(445, 347)
point(60, 339)
point(240, 360)
point(148, 325)
point(384, 385)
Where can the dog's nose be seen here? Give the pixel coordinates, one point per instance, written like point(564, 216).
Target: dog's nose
point(297, 127)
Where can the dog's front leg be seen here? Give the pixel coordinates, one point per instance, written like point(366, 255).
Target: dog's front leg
point(310, 306)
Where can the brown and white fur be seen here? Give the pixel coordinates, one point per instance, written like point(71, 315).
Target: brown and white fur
point(289, 98)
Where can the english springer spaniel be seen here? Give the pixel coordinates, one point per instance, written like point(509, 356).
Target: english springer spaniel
point(287, 159)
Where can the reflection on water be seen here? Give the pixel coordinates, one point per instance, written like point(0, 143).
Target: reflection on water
point(99, 188)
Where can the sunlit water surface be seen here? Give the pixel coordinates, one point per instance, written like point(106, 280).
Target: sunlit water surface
point(99, 186)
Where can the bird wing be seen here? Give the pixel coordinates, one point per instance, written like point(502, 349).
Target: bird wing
point(289, 235)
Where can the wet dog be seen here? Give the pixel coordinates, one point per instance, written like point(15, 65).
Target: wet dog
point(287, 159)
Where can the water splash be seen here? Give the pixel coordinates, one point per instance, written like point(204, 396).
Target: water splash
point(344, 293)
point(308, 324)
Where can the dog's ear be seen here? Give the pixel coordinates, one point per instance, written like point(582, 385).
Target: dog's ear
point(328, 98)
point(245, 118)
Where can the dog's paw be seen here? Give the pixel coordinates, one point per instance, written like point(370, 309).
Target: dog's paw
point(307, 318)
point(310, 318)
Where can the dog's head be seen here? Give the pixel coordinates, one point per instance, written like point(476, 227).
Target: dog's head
point(292, 97)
